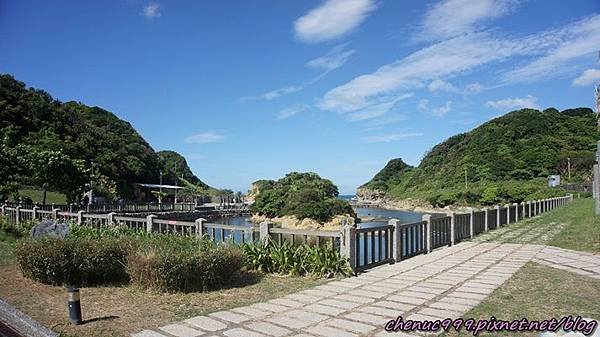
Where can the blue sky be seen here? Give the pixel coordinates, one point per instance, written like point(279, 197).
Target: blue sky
point(250, 90)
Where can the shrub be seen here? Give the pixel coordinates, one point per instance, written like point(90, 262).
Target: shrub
point(72, 261)
point(162, 268)
point(285, 258)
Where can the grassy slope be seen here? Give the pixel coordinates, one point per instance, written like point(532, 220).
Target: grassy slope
point(38, 196)
point(582, 230)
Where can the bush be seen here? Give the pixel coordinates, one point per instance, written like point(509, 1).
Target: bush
point(167, 269)
point(284, 258)
point(72, 261)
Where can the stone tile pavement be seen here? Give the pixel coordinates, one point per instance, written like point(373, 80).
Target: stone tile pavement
point(445, 283)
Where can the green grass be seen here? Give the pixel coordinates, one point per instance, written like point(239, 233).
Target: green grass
point(537, 292)
point(7, 244)
point(37, 195)
point(582, 230)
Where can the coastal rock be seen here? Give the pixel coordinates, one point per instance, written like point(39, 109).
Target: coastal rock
point(307, 223)
point(50, 228)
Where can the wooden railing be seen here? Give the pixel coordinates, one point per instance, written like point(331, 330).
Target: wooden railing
point(364, 247)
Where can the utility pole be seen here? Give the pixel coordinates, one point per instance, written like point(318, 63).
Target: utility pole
point(466, 182)
point(569, 167)
point(160, 189)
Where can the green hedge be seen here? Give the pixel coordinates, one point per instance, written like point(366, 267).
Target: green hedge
point(72, 261)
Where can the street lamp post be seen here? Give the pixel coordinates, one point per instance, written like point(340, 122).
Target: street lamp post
point(160, 189)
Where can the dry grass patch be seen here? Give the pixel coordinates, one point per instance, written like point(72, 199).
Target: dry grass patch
point(118, 311)
point(537, 292)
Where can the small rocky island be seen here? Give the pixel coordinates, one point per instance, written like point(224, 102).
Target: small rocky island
point(300, 200)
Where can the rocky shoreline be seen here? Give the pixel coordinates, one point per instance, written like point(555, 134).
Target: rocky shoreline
point(372, 198)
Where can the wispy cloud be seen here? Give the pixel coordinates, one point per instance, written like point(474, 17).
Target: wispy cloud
point(332, 19)
point(514, 103)
point(451, 18)
point(441, 85)
point(590, 76)
point(335, 58)
point(291, 111)
point(378, 109)
point(455, 56)
point(204, 138)
point(390, 137)
point(474, 88)
point(443, 110)
point(152, 11)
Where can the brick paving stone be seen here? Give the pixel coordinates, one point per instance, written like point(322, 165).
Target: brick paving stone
point(251, 311)
point(459, 300)
point(286, 302)
point(473, 296)
point(327, 331)
point(229, 316)
point(366, 293)
point(239, 332)
point(305, 315)
point(270, 307)
point(181, 330)
point(288, 322)
point(419, 294)
point(147, 333)
point(303, 298)
point(339, 304)
point(268, 329)
point(401, 307)
point(440, 313)
point(407, 299)
point(476, 290)
point(451, 306)
point(343, 284)
point(367, 318)
point(350, 325)
point(206, 323)
point(388, 313)
point(318, 293)
point(357, 299)
point(324, 309)
point(421, 289)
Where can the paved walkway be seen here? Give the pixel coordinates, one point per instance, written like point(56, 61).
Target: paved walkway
point(445, 283)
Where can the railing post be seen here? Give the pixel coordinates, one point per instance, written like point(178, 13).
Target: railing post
point(3, 208)
point(54, 213)
point(348, 247)
point(427, 219)
point(452, 229)
point(18, 214)
point(110, 219)
point(397, 239)
point(485, 222)
point(80, 218)
point(34, 212)
point(516, 212)
point(497, 216)
point(150, 223)
point(265, 229)
point(53, 206)
point(199, 224)
point(71, 208)
point(507, 213)
point(471, 223)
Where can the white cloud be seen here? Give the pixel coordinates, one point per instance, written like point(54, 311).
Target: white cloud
point(441, 85)
point(474, 87)
point(377, 109)
point(386, 138)
point(514, 103)
point(335, 58)
point(563, 47)
point(443, 110)
point(204, 138)
point(451, 18)
point(291, 111)
point(423, 104)
point(453, 57)
point(152, 11)
point(588, 77)
point(332, 19)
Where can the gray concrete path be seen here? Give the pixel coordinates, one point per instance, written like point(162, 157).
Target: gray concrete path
point(445, 283)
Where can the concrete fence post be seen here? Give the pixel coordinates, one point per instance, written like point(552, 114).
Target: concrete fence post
point(347, 248)
point(485, 221)
point(18, 214)
point(497, 216)
point(53, 206)
point(110, 219)
point(54, 213)
point(71, 208)
point(452, 229)
point(199, 226)
point(80, 217)
point(397, 239)
point(516, 212)
point(150, 223)
point(34, 212)
point(427, 219)
point(265, 229)
point(471, 223)
point(507, 213)
point(3, 208)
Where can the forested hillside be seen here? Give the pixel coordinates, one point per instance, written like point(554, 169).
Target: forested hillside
point(505, 159)
point(57, 146)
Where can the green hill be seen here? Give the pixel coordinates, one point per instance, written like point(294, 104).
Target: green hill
point(80, 140)
point(505, 159)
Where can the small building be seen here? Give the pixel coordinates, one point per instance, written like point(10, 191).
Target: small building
point(554, 180)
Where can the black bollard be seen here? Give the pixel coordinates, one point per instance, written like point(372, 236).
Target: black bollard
point(74, 306)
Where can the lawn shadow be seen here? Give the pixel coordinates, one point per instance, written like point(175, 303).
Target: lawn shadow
point(99, 319)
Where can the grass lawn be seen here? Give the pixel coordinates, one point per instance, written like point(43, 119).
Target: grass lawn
point(38, 196)
point(537, 292)
point(574, 226)
point(120, 310)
